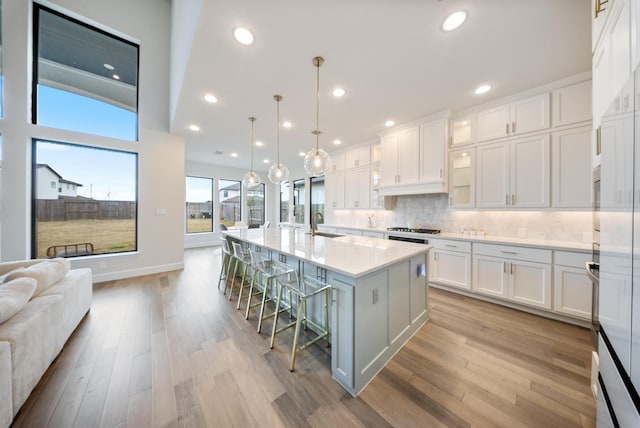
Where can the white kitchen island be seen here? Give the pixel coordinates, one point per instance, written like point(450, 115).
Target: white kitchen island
point(379, 293)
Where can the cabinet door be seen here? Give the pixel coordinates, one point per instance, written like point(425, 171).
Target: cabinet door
point(360, 156)
point(342, 342)
point(462, 178)
point(530, 172)
point(358, 188)
point(530, 283)
point(572, 104)
point(337, 162)
point(490, 275)
point(620, 44)
point(451, 268)
point(571, 169)
point(408, 157)
point(433, 141)
point(389, 160)
point(572, 291)
point(461, 131)
point(493, 176)
point(334, 190)
point(601, 83)
point(530, 114)
point(493, 123)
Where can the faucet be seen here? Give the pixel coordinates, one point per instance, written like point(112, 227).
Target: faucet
point(314, 222)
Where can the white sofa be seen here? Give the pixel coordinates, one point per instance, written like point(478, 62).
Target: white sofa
point(32, 338)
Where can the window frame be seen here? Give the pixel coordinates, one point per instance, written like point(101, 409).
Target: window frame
point(296, 198)
point(240, 200)
point(312, 181)
point(213, 203)
point(286, 184)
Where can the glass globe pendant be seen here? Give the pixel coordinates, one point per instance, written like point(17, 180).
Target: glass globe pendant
point(278, 173)
point(317, 161)
point(251, 178)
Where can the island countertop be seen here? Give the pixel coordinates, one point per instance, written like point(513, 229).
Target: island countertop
point(353, 256)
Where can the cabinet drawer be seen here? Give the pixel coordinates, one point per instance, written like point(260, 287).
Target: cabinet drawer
point(565, 258)
point(461, 246)
point(511, 252)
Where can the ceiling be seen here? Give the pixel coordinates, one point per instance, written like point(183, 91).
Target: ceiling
point(390, 55)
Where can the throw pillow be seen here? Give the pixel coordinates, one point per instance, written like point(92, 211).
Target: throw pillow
point(46, 273)
point(4, 276)
point(14, 295)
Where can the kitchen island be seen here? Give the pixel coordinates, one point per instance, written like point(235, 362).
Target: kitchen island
point(379, 293)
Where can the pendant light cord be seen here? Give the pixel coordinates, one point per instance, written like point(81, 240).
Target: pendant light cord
point(318, 63)
point(252, 119)
point(278, 98)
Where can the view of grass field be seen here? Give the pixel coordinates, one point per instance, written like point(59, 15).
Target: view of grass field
point(105, 235)
point(198, 225)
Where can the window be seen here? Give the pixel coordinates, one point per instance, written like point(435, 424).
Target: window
point(199, 204)
point(100, 217)
point(284, 201)
point(85, 79)
point(298, 200)
point(1, 73)
point(255, 203)
point(317, 197)
point(230, 201)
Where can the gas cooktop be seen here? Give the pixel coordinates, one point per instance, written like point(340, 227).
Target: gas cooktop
point(409, 229)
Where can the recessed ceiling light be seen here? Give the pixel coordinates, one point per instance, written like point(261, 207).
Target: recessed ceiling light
point(243, 36)
point(234, 155)
point(389, 123)
point(482, 89)
point(454, 20)
point(337, 142)
point(301, 154)
point(194, 127)
point(108, 66)
point(287, 124)
point(210, 98)
point(339, 92)
point(259, 143)
point(115, 76)
point(265, 160)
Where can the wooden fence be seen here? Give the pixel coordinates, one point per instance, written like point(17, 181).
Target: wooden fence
point(84, 209)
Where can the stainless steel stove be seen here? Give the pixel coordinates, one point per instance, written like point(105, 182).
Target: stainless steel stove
point(407, 238)
point(412, 230)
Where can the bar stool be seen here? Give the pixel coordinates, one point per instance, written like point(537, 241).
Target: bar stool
point(304, 290)
point(226, 262)
point(241, 257)
point(270, 270)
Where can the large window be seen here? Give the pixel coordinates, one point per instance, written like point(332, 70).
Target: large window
point(284, 201)
point(255, 203)
point(230, 201)
point(84, 200)
point(199, 204)
point(85, 79)
point(298, 200)
point(1, 72)
point(317, 197)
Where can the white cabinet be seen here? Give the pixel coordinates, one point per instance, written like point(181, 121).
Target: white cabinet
point(619, 44)
point(571, 168)
point(572, 288)
point(344, 231)
point(519, 117)
point(519, 274)
point(360, 156)
point(400, 158)
point(601, 70)
point(514, 173)
point(433, 143)
point(462, 178)
point(450, 263)
point(334, 189)
point(373, 234)
point(358, 188)
point(461, 131)
point(572, 104)
point(337, 162)
point(342, 340)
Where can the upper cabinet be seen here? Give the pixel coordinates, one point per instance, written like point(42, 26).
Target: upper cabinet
point(571, 167)
point(337, 162)
point(433, 137)
point(519, 117)
point(360, 156)
point(572, 104)
point(461, 178)
point(461, 131)
point(400, 158)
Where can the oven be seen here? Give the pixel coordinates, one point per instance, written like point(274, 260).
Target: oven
point(408, 239)
point(410, 234)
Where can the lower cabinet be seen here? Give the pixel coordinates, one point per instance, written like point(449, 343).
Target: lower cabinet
point(450, 263)
point(342, 310)
point(572, 288)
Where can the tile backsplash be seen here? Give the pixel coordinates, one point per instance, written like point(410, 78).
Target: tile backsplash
point(433, 211)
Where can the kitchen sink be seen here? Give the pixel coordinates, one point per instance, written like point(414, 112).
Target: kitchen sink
point(326, 235)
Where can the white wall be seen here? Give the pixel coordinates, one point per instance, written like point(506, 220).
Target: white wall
point(218, 172)
point(161, 155)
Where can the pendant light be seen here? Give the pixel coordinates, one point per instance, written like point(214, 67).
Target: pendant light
point(317, 161)
point(251, 178)
point(278, 173)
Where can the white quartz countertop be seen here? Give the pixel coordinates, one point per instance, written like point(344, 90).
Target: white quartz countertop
point(487, 239)
point(353, 256)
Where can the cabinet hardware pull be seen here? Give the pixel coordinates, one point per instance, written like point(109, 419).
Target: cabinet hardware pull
point(451, 245)
point(598, 140)
point(511, 267)
point(506, 128)
point(513, 127)
point(450, 200)
point(504, 267)
point(598, 6)
point(513, 199)
point(506, 197)
point(440, 172)
point(435, 256)
point(508, 252)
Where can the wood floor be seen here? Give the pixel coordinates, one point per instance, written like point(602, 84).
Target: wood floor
point(168, 350)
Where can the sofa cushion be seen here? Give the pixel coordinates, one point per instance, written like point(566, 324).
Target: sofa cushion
point(14, 295)
point(3, 277)
point(45, 273)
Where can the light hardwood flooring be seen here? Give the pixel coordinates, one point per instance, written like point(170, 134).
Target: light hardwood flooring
point(169, 350)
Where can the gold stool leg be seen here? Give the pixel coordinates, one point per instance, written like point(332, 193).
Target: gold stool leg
point(253, 280)
point(233, 278)
point(275, 316)
point(244, 272)
point(294, 349)
point(267, 288)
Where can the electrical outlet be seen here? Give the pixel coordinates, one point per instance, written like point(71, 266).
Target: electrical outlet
point(375, 296)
